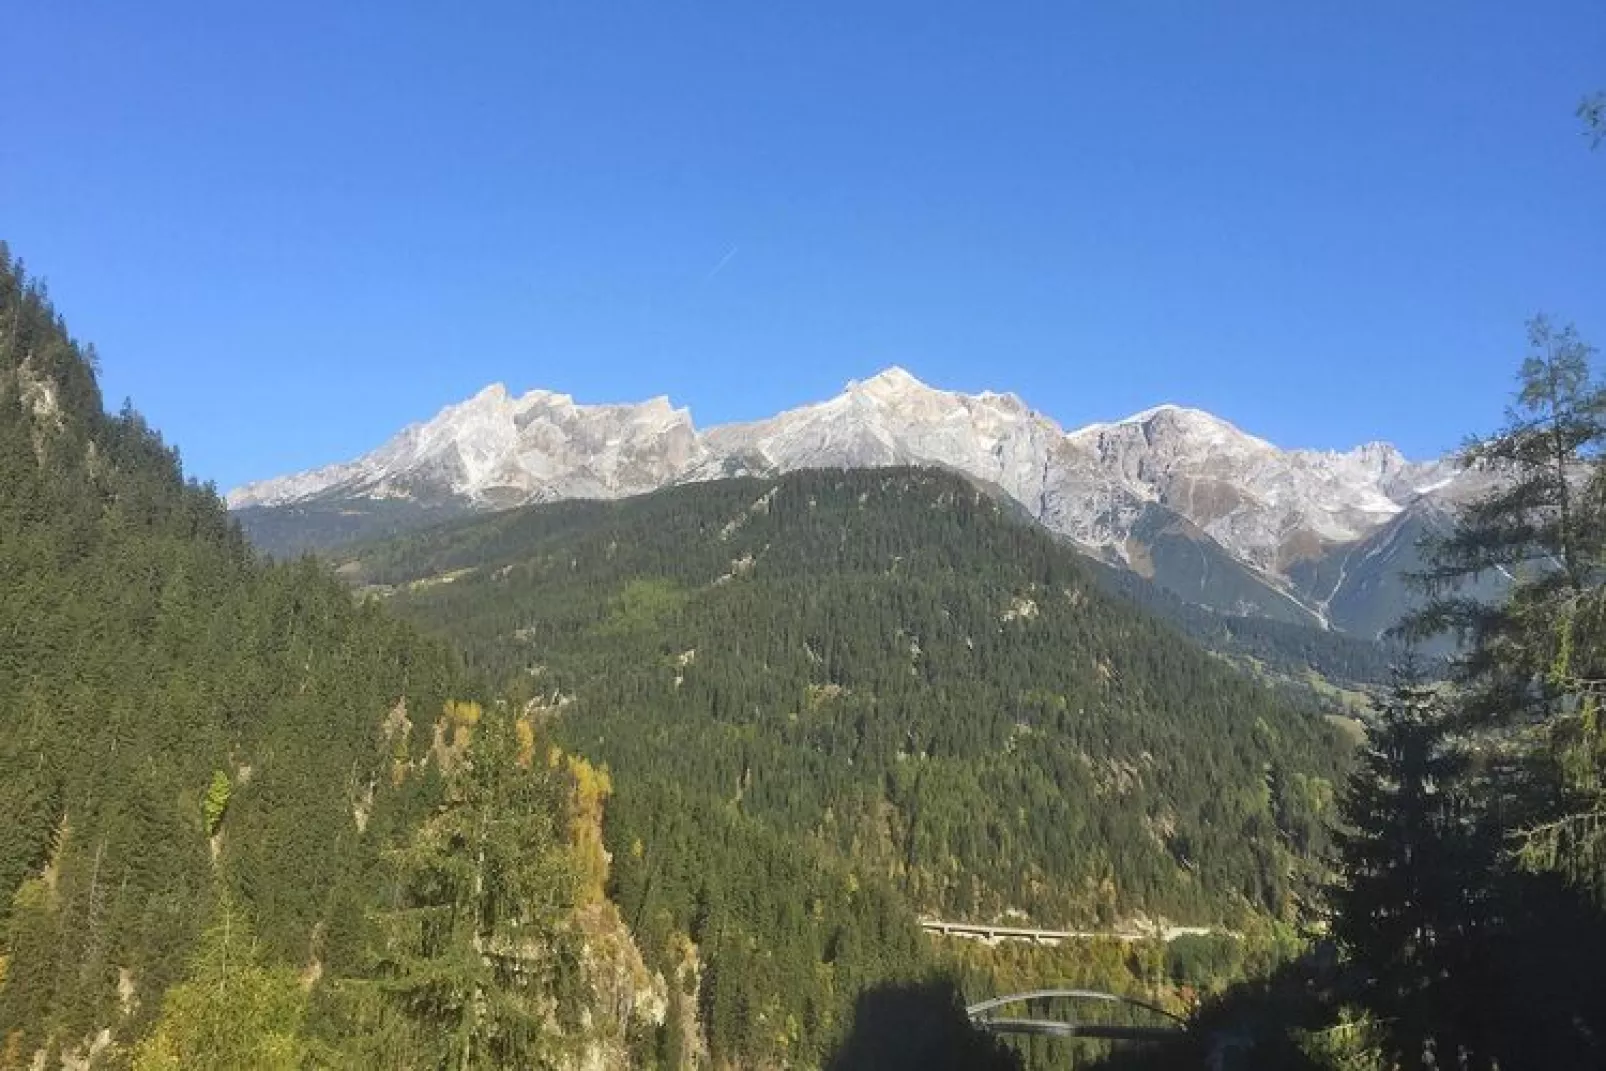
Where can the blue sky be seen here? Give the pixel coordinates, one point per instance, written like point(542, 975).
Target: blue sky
point(292, 228)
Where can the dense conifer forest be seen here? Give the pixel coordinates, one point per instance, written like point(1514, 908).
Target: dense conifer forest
point(229, 789)
point(253, 821)
point(796, 654)
point(885, 662)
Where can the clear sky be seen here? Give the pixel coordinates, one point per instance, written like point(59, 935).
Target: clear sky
point(293, 227)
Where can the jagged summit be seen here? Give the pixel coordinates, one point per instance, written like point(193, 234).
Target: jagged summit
point(1165, 409)
point(496, 449)
point(1108, 486)
point(892, 379)
point(894, 387)
point(1169, 418)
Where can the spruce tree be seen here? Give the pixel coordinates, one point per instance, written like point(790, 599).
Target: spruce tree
point(1402, 905)
point(1540, 525)
point(473, 951)
point(1530, 680)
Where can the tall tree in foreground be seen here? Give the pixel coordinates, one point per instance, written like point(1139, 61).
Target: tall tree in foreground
point(1534, 666)
point(474, 951)
point(1530, 684)
point(1404, 909)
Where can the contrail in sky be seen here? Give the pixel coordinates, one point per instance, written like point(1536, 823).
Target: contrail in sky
point(724, 260)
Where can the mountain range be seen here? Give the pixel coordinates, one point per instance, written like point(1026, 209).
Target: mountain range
point(668, 780)
point(1179, 496)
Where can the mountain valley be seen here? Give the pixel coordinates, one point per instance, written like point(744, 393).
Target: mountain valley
point(889, 668)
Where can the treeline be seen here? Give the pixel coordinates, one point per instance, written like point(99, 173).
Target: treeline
point(1288, 649)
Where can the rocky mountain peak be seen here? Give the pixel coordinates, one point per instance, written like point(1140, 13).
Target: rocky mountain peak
point(1265, 507)
point(891, 381)
point(497, 449)
point(1192, 428)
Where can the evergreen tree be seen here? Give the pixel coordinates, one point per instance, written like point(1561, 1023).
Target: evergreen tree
point(473, 946)
point(1404, 904)
point(232, 1011)
point(1534, 667)
point(1539, 524)
point(1531, 679)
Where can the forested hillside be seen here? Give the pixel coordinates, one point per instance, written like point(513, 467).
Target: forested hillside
point(885, 661)
point(258, 822)
point(887, 669)
point(215, 777)
point(1290, 651)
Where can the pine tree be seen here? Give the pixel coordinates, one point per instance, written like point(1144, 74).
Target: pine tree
point(1540, 525)
point(1530, 684)
point(1401, 906)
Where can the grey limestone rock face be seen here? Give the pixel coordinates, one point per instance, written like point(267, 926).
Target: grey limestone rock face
point(1290, 518)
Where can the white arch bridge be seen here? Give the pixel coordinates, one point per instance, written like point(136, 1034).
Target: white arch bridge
point(984, 1017)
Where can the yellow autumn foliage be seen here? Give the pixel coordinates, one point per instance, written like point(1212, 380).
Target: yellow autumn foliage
point(463, 712)
point(592, 787)
point(461, 715)
point(524, 729)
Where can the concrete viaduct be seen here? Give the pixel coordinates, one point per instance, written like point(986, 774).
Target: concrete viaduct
point(987, 931)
